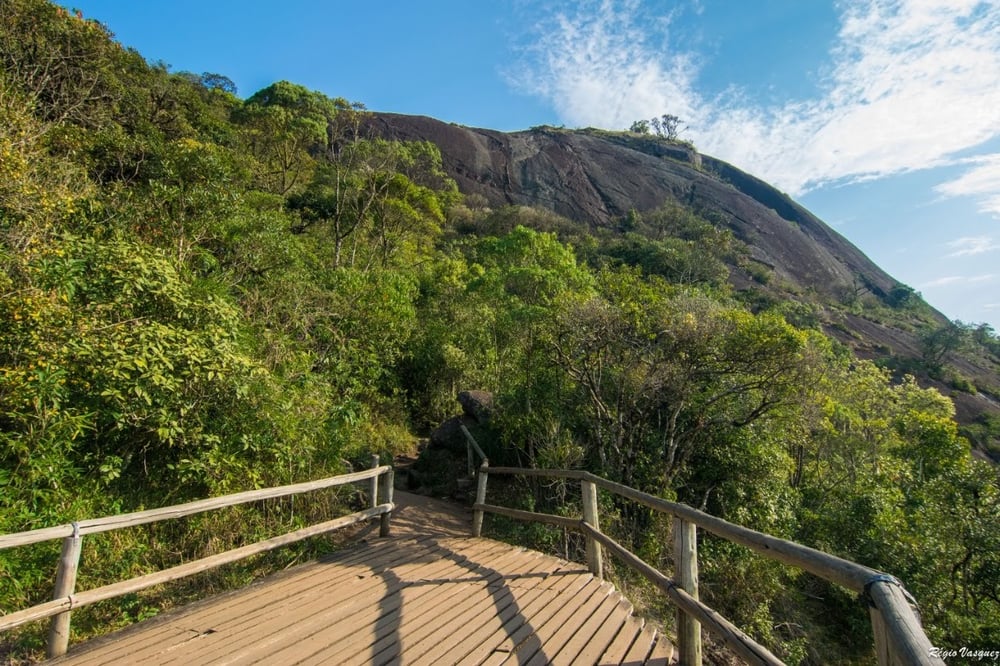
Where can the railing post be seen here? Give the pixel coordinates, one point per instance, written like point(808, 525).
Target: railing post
point(477, 514)
point(387, 487)
point(69, 562)
point(881, 634)
point(686, 577)
point(373, 487)
point(468, 451)
point(899, 638)
point(588, 492)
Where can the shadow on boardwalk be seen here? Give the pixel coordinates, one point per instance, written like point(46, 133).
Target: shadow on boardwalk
point(428, 594)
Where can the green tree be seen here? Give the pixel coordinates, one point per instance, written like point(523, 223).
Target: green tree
point(662, 373)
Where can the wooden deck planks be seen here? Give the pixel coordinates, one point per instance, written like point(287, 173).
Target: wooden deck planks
point(204, 615)
point(408, 617)
point(425, 597)
point(330, 617)
point(433, 639)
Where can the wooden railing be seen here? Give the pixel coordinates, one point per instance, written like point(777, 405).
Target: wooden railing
point(65, 599)
point(472, 450)
point(899, 637)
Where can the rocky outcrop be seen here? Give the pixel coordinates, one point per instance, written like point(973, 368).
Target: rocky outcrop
point(477, 404)
point(596, 177)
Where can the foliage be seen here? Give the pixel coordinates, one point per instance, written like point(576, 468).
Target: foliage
point(201, 294)
point(667, 126)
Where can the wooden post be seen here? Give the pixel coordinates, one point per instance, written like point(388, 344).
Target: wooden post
point(686, 577)
point(899, 638)
point(881, 633)
point(387, 488)
point(373, 487)
point(69, 562)
point(477, 514)
point(588, 491)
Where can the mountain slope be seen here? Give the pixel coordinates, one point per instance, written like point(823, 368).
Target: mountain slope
point(596, 177)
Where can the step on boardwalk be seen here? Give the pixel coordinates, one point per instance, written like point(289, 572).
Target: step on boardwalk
point(427, 595)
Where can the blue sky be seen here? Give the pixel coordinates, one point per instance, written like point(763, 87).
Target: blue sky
point(880, 116)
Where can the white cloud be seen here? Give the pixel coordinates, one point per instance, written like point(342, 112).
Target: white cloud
point(972, 245)
point(943, 282)
point(954, 280)
point(982, 181)
point(598, 65)
point(912, 83)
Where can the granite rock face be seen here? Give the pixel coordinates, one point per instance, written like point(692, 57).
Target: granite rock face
point(595, 178)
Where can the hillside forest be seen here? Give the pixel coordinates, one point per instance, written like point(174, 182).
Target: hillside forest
point(203, 293)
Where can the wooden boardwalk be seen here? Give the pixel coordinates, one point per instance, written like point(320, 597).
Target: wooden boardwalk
point(427, 595)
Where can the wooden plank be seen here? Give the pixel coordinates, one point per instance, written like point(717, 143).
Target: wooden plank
point(618, 621)
point(623, 641)
point(415, 633)
point(366, 612)
point(515, 619)
point(414, 615)
point(478, 618)
point(248, 606)
point(507, 616)
point(558, 632)
point(208, 612)
point(663, 652)
point(319, 619)
point(530, 637)
point(641, 647)
point(407, 624)
point(588, 632)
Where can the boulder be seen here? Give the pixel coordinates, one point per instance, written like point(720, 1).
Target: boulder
point(477, 404)
point(449, 434)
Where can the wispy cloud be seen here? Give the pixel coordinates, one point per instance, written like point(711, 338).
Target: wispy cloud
point(912, 83)
point(972, 245)
point(955, 280)
point(982, 181)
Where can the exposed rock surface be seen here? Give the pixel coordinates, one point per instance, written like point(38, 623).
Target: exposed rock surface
point(449, 434)
point(477, 404)
point(594, 178)
point(597, 177)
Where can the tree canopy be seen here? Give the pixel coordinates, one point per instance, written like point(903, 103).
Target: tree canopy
point(202, 294)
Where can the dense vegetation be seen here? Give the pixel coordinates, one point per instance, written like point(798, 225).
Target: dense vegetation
point(202, 294)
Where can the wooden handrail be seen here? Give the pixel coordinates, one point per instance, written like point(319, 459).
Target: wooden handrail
point(472, 446)
point(747, 648)
point(66, 599)
point(108, 523)
point(74, 601)
point(899, 637)
point(829, 567)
